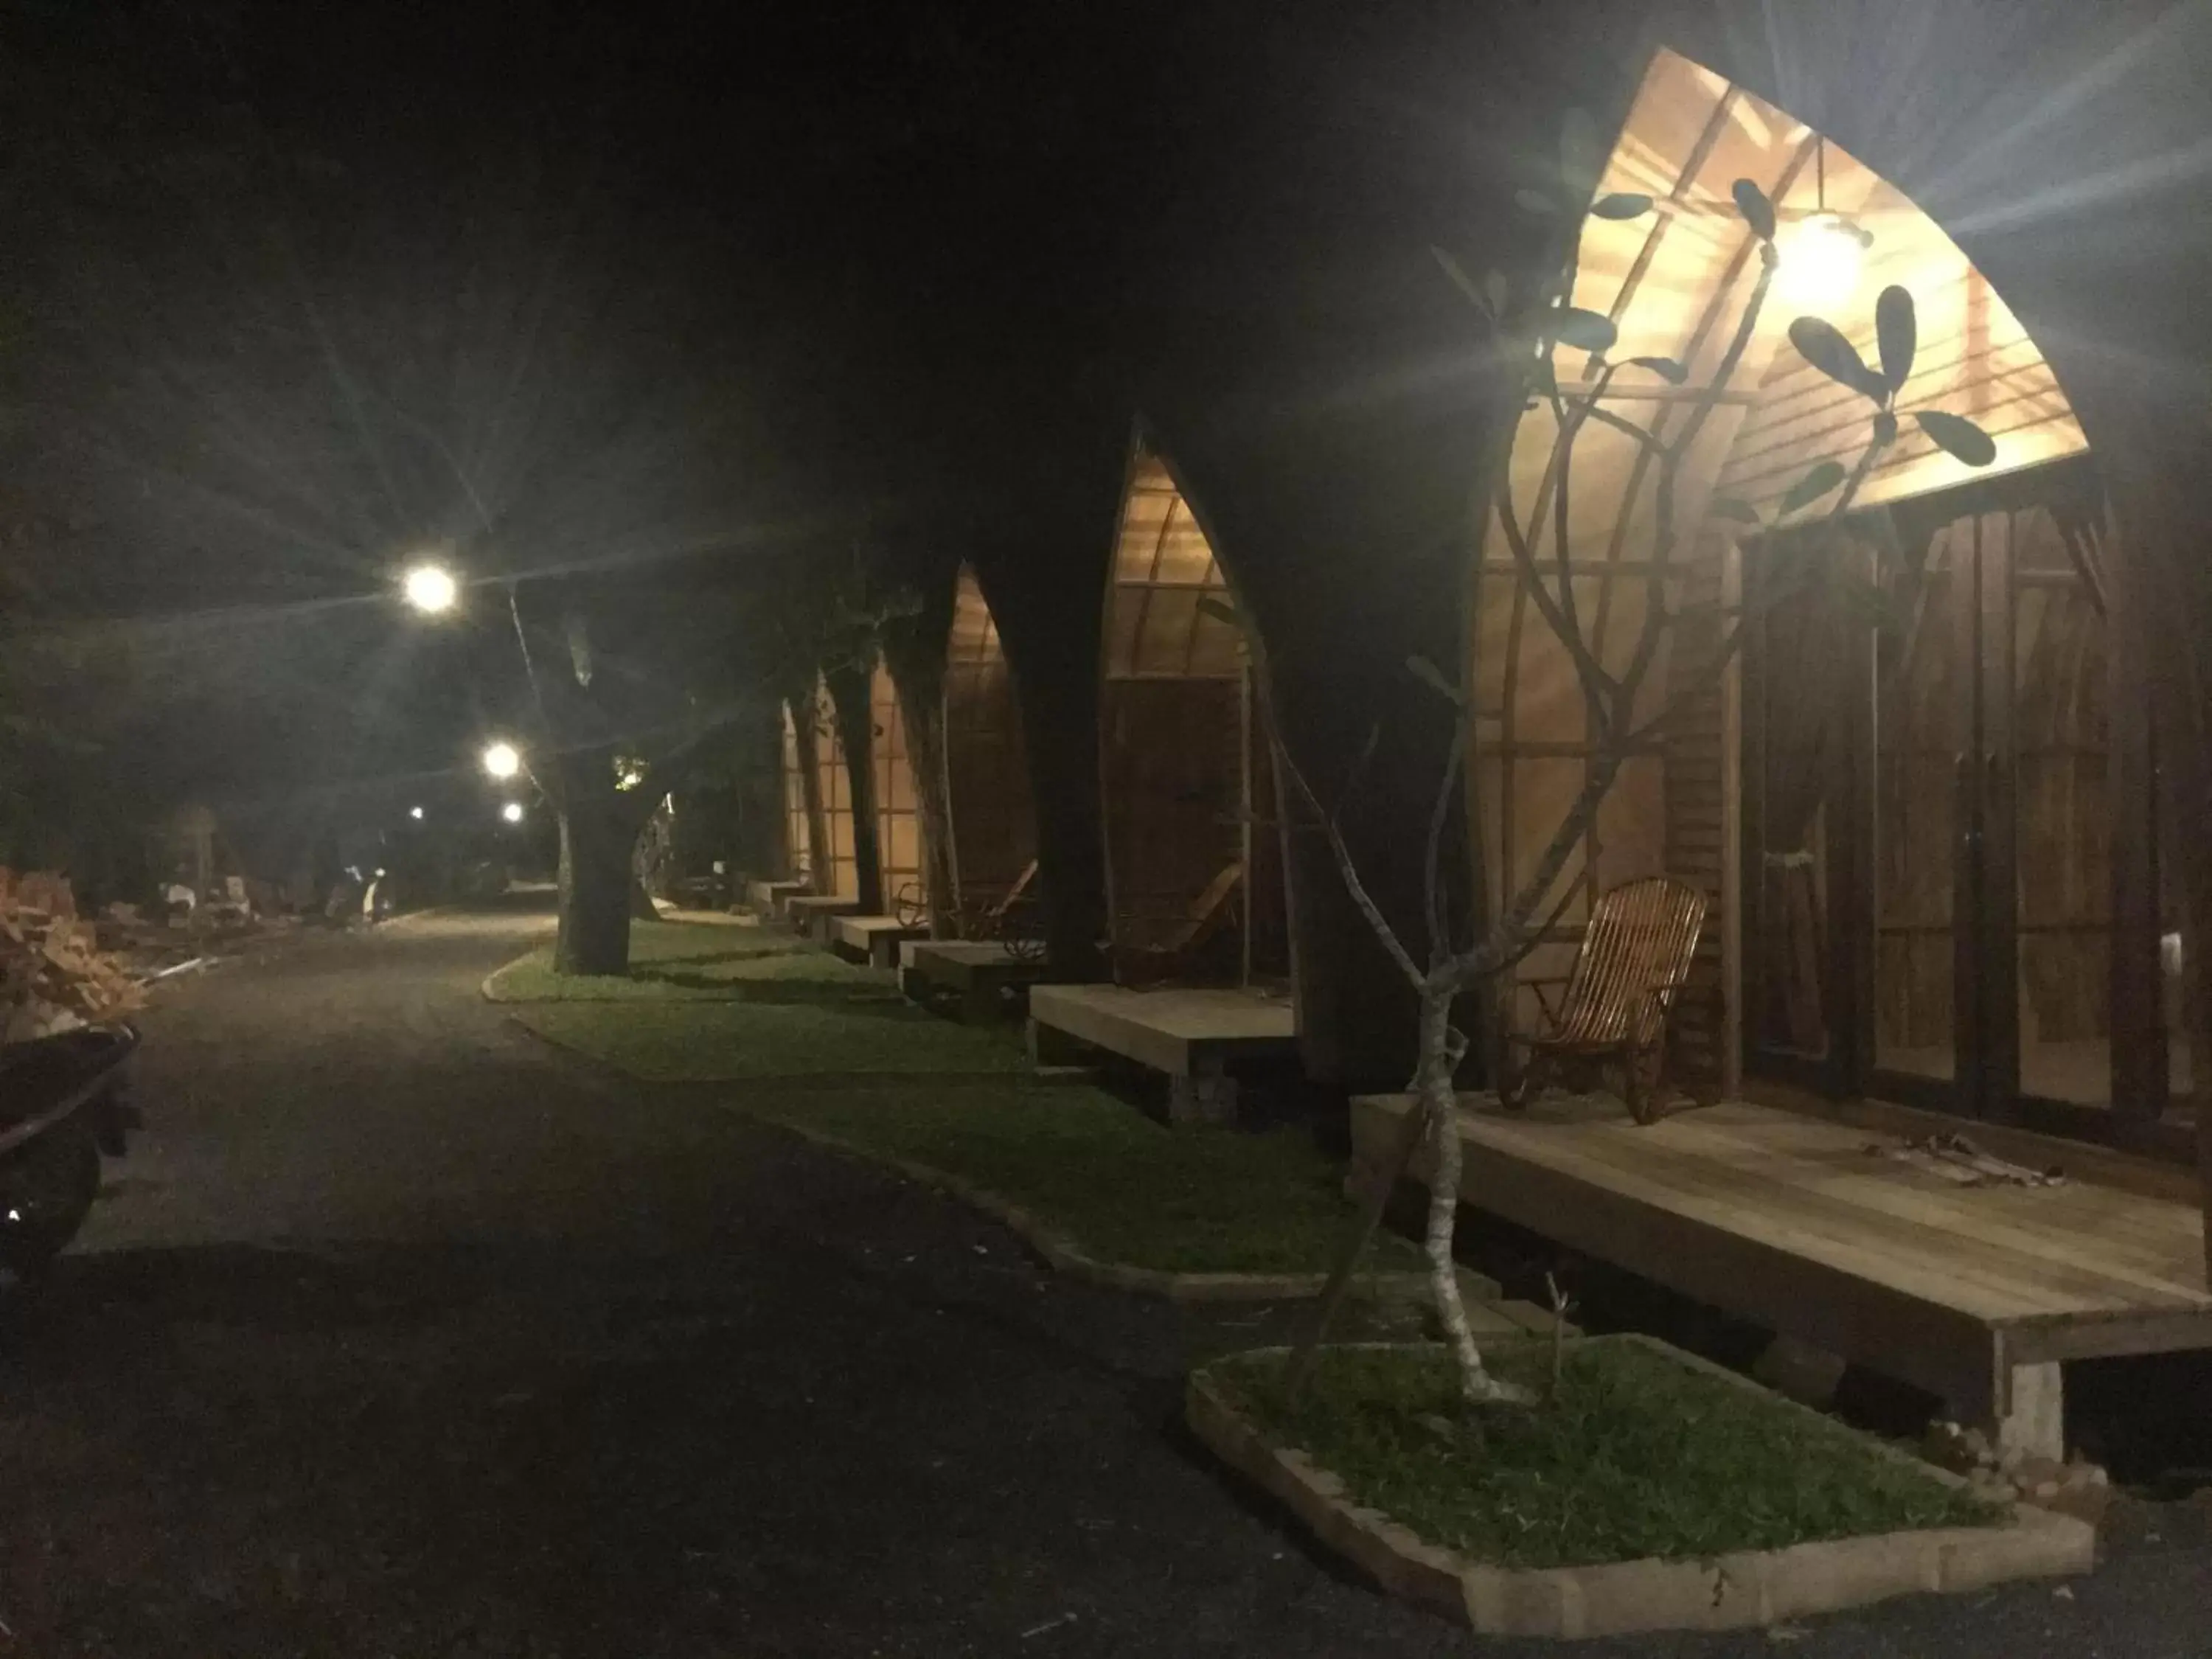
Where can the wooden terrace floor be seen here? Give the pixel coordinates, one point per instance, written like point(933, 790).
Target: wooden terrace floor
point(1793, 1221)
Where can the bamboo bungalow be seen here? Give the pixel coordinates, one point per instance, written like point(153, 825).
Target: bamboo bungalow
point(1921, 805)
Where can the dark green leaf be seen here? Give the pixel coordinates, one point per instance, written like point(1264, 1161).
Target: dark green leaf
point(1959, 435)
point(1622, 204)
point(1758, 212)
point(1535, 201)
point(1463, 282)
point(1665, 368)
point(1897, 327)
point(1586, 330)
point(1885, 428)
point(1822, 345)
point(1824, 478)
point(1429, 675)
point(1728, 506)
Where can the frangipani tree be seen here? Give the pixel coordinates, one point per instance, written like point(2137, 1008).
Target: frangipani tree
point(1627, 705)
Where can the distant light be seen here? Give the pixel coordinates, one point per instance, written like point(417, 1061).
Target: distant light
point(415, 813)
point(502, 760)
point(430, 588)
point(512, 811)
point(1821, 262)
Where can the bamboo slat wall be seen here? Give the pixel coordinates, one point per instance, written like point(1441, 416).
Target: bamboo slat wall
point(1675, 282)
point(898, 813)
point(1177, 747)
point(837, 798)
point(987, 780)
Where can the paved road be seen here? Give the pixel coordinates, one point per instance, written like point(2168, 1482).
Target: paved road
point(398, 1336)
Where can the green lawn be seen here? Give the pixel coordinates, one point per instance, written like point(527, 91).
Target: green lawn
point(705, 1003)
point(1640, 1455)
point(699, 962)
point(1121, 1186)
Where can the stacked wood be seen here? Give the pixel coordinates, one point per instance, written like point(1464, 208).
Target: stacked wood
point(53, 975)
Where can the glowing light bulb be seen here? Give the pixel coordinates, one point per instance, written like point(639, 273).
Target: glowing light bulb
point(416, 814)
point(1821, 263)
point(512, 811)
point(431, 589)
point(502, 760)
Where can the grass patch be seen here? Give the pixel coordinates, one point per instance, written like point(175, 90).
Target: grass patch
point(1122, 1187)
point(819, 1031)
point(699, 962)
point(1639, 1456)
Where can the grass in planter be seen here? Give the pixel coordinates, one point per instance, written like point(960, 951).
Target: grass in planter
point(698, 961)
point(1122, 1187)
point(1639, 1456)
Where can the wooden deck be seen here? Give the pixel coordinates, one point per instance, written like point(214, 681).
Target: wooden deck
point(1976, 1293)
point(873, 939)
point(1193, 1035)
point(766, 898)
point(977, 971)
point(810, 914)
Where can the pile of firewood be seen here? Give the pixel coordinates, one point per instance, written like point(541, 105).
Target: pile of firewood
point(53, 976)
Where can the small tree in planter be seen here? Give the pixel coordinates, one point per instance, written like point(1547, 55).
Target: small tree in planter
point(1530, 329)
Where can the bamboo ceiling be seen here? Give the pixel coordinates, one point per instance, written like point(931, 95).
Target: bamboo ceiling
point(1162, 568)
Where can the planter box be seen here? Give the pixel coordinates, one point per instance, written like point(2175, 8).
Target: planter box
point(1749, 1588)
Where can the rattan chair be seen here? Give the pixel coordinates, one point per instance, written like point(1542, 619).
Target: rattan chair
point(1635, 956)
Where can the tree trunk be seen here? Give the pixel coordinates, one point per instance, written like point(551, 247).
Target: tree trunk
point(851, 694)
point(595, 884)
point(1437, 1100)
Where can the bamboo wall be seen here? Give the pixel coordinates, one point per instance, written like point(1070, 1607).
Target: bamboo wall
point(1178, 740)
point(897, 812)
point(987, 777)
point(837, 798)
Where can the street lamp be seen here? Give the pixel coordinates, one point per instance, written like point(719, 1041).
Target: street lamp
point(431, 589)
point(512, 811)
point(502, 760)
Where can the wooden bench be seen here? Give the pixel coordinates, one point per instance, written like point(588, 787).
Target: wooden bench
point(1176, 948)
point(1193, 1035)
point(1977, 1294)
point(872, 939)
point(980, 972)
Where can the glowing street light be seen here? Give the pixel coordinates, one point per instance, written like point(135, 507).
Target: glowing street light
point(431, 589)
point(502, 760)
point(512, 811)
point(416, 814)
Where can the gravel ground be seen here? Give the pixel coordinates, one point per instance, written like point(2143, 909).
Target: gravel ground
point(399, 1336)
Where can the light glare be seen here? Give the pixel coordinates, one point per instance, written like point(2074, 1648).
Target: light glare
point(501, 760)
point(431, 589)
point(512, 811)
point(1821, 263)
